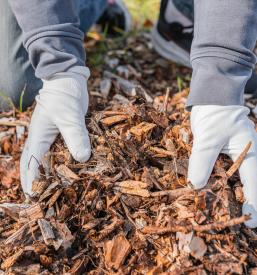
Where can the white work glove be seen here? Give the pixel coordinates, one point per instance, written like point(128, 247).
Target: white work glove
point(228, 130)
point(61, 107)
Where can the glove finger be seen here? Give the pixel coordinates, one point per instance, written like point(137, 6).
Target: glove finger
point(247, 173)
point(77, 139)
point(249, 209)
point(201, 164)
point(42, 133)
point(23, 169)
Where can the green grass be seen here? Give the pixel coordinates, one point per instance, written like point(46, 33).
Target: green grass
point(4, 99)
point(21, 98)
point(144, 13)
point(143, 10)
point(180, 83)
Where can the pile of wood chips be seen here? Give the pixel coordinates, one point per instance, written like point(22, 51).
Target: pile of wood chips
point(129, 210)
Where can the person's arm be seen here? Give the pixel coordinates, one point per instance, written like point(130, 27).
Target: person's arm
point(55, 46)
point(51, 34)
point(222, 59)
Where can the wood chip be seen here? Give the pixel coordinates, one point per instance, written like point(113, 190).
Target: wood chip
point(13, 209)
point(20, 233)
point(162, 152)
point(47, 231)
point(12, 260)
point(132, 187)
point(142, 129)
point(109, 121)
point(33, 212)
point(54, 198)
point(116, 251)
point(65, 234)
point(66, 174)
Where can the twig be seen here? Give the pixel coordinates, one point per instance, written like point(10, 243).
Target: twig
point(165, 102)
point(173, 193)
point(14, 123)
point(239, 161)
point(198, 228)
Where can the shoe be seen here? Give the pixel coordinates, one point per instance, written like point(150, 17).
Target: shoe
point(116, 18)
point(173, 40)
point(251, 86)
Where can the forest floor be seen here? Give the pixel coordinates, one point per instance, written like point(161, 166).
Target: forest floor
point(129, 210)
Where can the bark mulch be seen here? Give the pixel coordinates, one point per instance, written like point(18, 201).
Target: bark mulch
point(129, 210)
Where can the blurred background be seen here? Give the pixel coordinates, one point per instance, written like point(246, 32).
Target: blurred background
point(144, 12)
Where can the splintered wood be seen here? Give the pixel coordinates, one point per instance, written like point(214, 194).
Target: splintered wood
point(129, 209)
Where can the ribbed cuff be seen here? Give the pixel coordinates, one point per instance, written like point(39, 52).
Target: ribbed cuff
point(218, 81)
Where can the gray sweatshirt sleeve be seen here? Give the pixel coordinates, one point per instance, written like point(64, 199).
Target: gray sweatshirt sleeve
point(222, 57)
point(51, 34)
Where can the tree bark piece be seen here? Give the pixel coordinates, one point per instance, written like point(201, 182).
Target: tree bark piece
point(65, 234)
point(20, 234)
point(13, 209)
point(141, 130)
point(132, 187)
point(12, 260)
point(65, 173)
point(126, 86)
point(116, 251)
point(109, 121)
point(34, 212)
point(47, 232)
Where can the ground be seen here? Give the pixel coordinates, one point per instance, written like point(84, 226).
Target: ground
point(129, 210)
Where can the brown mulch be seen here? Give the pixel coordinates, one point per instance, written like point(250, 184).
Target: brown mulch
point(129, 210)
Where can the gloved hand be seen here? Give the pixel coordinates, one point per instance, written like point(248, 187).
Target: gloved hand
point(61, 107)
point(224, 129)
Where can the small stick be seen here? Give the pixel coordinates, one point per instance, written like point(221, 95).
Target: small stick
point(221, 225)
point(173, 193)
point(14, 123)
point(239, 161)
point(165, 103)
point(198, 228)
